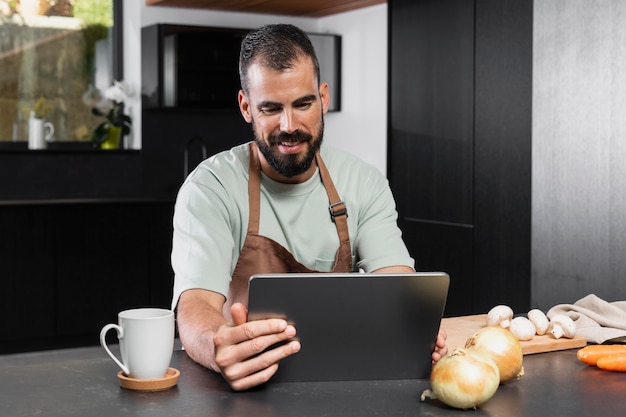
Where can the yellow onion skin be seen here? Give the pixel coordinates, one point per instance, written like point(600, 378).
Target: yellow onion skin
point(504, 349)
point(465, 378)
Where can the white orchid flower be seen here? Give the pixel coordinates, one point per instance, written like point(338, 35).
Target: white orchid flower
point(119, 92)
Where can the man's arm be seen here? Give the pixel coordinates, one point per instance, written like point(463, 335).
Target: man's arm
point(199, 316)
point(236, 350)
point(395, 269)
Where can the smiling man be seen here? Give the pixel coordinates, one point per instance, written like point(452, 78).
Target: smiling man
point(284, 202)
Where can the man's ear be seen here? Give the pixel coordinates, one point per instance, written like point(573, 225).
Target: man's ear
point(244, 106)
point(325, 96)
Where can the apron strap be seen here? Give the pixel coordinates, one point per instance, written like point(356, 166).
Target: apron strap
point(337, 208)
point(254, 190)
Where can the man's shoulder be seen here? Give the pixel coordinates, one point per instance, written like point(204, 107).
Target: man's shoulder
point(237, 157)
point(339, 160)
point(236, 154)
point(225, 168)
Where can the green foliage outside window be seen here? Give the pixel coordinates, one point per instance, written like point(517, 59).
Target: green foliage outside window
point(48, 50)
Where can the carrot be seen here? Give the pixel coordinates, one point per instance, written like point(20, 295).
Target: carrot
point(590, 354)
point(615, 362)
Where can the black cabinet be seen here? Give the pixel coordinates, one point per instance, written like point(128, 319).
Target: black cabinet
point(196, 67)
point(27, 257)
point(190, 82)
point(68, 269)
point(459, 144)
point(190, 66)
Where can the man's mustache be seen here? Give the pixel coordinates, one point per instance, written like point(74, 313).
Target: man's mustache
point(296, 136)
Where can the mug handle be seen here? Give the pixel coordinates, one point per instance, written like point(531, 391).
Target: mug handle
point(50, 133)
point(120, 335)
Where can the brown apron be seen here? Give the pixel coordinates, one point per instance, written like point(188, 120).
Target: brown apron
point(262, 255)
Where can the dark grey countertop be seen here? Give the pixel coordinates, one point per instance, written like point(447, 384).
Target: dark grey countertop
point(102, 200)
point(554, 384)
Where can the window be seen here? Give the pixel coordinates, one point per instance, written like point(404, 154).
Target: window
point(51, 52)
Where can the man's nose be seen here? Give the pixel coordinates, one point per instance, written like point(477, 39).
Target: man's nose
point(287, 122)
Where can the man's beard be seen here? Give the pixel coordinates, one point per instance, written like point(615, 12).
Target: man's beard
point(290, 165)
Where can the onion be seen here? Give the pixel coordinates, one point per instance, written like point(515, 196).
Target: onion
point(464, 378)
point(504, 349)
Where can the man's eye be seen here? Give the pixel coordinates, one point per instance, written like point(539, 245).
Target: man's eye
point(270, 110)
point(304, 106)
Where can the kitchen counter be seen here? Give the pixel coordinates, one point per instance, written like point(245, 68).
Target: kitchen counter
point(78, 201)
point(554, 384)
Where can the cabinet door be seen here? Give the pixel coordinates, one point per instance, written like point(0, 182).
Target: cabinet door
point(431, 108)
point(431, 136)
point(68, 269)
point(502, 153)
point(27, 260)
point(460, 86)
point(103, 264)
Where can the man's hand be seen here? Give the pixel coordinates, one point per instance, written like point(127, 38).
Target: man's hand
point(440, 346)
point(237, 349)
point(240, 348)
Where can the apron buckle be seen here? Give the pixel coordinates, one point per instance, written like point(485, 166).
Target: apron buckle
point(343, 210)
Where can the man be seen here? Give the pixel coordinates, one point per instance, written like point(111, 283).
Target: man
point(263, 207)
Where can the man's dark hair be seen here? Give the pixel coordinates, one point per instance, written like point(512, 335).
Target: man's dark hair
point(276, 47)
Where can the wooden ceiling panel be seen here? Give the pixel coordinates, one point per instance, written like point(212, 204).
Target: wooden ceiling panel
point(312, 8)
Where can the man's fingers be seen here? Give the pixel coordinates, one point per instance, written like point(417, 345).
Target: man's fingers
point(239, 313)
point(253, 380)
point(232, 335)
point(258, 369)
point(247, 352)
point(240, 343)
point(235, 345)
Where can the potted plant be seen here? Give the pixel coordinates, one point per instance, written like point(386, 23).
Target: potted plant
point(109, 133)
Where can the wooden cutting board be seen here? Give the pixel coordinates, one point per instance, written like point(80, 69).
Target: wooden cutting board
point(459, 329)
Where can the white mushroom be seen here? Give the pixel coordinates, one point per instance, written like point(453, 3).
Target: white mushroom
point(500, 315)
point(522, 328)
point(539, 319)
point(562, 326)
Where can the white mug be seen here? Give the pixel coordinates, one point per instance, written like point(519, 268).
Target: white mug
point(146, 338)
point(39, 133)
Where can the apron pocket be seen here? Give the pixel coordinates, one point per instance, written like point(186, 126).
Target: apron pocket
point(326, 265)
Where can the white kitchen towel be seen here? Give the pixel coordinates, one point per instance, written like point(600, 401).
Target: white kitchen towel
point(596, 319)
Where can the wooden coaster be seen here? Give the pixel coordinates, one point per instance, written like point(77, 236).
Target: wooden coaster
point(150, 385)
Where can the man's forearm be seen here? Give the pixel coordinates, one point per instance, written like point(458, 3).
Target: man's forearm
point(198, 320)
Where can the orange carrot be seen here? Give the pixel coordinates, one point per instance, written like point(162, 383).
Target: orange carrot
point(590, 354)
point(615, 362)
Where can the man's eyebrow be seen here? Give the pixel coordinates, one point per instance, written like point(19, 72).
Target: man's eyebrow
point(265, 104)
point(305, 99)
point(274, 104)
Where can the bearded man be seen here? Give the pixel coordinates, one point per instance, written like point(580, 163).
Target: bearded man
point(284, 202)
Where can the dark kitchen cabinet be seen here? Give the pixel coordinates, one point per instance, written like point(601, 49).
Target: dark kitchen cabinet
point(460, 80)
point(197, 67)
point(69, 268)
point(26, 252)
point(190, 66)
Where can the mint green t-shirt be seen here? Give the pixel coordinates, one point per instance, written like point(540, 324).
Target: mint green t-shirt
point(211, 219)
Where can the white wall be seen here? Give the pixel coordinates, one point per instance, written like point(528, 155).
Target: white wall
point(360, 127)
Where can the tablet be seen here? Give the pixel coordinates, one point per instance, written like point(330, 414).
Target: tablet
point(355, 326)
